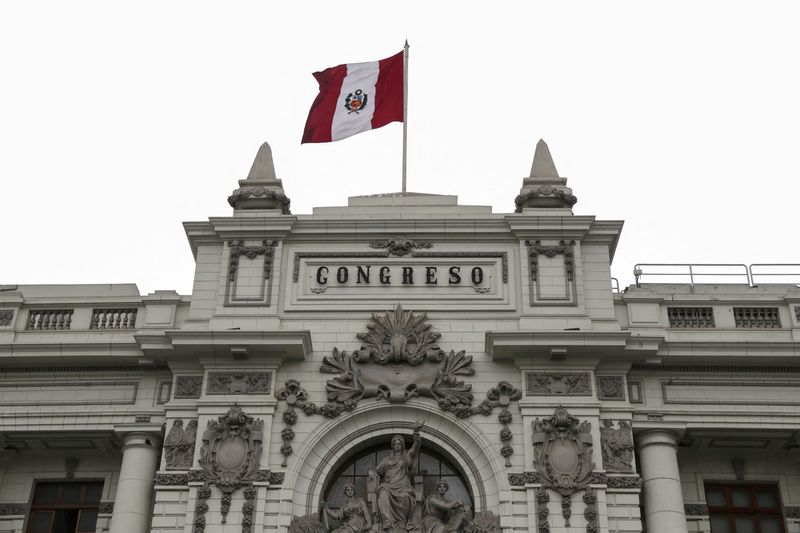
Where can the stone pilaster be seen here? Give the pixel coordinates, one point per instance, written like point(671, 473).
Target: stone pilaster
point(663, 499)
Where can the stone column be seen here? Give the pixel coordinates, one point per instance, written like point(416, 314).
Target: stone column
point(663, 498)
point(134, 498)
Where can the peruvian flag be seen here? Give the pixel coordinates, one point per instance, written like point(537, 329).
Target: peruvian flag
point(356, 97)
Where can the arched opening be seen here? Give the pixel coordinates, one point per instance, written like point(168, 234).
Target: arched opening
point(432, 465)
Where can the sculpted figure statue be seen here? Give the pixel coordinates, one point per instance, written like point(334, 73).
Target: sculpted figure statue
point(442, 515)
point(353, 514)
point(390, 483)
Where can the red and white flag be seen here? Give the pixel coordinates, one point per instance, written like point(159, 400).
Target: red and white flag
point(356, 97)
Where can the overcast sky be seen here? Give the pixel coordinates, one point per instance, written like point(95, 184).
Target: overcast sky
point(120, 120)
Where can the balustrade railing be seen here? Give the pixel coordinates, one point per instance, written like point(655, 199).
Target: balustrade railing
point(113, 319)
point(49, 319)
point(690, 317)
point(756, 317)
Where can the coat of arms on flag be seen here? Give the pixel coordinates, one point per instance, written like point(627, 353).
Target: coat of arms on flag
point(356, 97)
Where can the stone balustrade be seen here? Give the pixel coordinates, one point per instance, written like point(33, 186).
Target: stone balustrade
point(49, 319)
point(113, 319)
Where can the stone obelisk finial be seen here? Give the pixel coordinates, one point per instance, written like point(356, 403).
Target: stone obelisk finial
point(544, 188)
point(261, 189)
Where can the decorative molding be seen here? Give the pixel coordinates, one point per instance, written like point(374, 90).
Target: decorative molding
point(590, 510)
point(546, 190)
point(6, 316)
point(524, 478)
point(268, 476)
point(791, 511)
point(171, 480)
point(179, 445)
point(163, 392)
point(564, 248)
point(535, 249)
point(248, 192)
point(558, 384)
point(797, 312)
point(105, 508)
point(714, 369)
point(239, 383)
point(58, 395)
point(400, 245)
point(617, 446)
point(188, 386)
point(696, 509)
point(13, 509)
point(635, 391)
point(230, 457)
point(624, 482)
point(239, 249)
point(563, 455)
point(503, 256)
point(542, 510)
point(77, 369)
point(610, 388)
point(502, 395)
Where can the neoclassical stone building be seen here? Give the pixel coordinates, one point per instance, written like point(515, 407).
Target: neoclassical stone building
point(330, 371)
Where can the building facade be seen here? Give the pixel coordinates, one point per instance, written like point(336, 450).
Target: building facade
point(400, 364)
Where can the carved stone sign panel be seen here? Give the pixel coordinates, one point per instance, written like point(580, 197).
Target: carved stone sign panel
point(362, 278)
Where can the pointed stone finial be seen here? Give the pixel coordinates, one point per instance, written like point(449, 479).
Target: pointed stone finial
point(544, 188)
point(263, 168)
point(543, 166)
point(262, 189)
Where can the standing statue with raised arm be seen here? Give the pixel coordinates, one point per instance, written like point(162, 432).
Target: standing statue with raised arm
point(390, 483)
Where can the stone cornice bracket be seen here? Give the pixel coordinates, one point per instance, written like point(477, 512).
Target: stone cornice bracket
point(544, 189)
point(261, 190)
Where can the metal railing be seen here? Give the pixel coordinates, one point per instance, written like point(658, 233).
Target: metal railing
point(720, 272)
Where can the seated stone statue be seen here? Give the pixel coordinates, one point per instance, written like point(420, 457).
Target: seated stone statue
point(443, 516)
point(353, 514)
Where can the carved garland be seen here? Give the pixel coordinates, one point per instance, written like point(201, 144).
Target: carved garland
point(535, 248)
point(238, 249)
point(399, 360)
point(544, 190)
point(400, 245)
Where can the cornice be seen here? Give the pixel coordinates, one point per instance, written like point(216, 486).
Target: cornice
point(518, 345)
point(443, 228)
point(605, 232)
point(549, 227)
point(285, 345)
point(249, 227)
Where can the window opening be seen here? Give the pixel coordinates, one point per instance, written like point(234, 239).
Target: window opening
point(65, 507)
point(744, 508)
point(430, 468)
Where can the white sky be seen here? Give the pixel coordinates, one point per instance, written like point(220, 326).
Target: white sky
point(120, 120)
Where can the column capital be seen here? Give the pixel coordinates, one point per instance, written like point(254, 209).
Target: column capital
point(139, 435)
point(663, 436)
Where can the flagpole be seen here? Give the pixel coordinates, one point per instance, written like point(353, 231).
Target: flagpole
point(405, 111)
